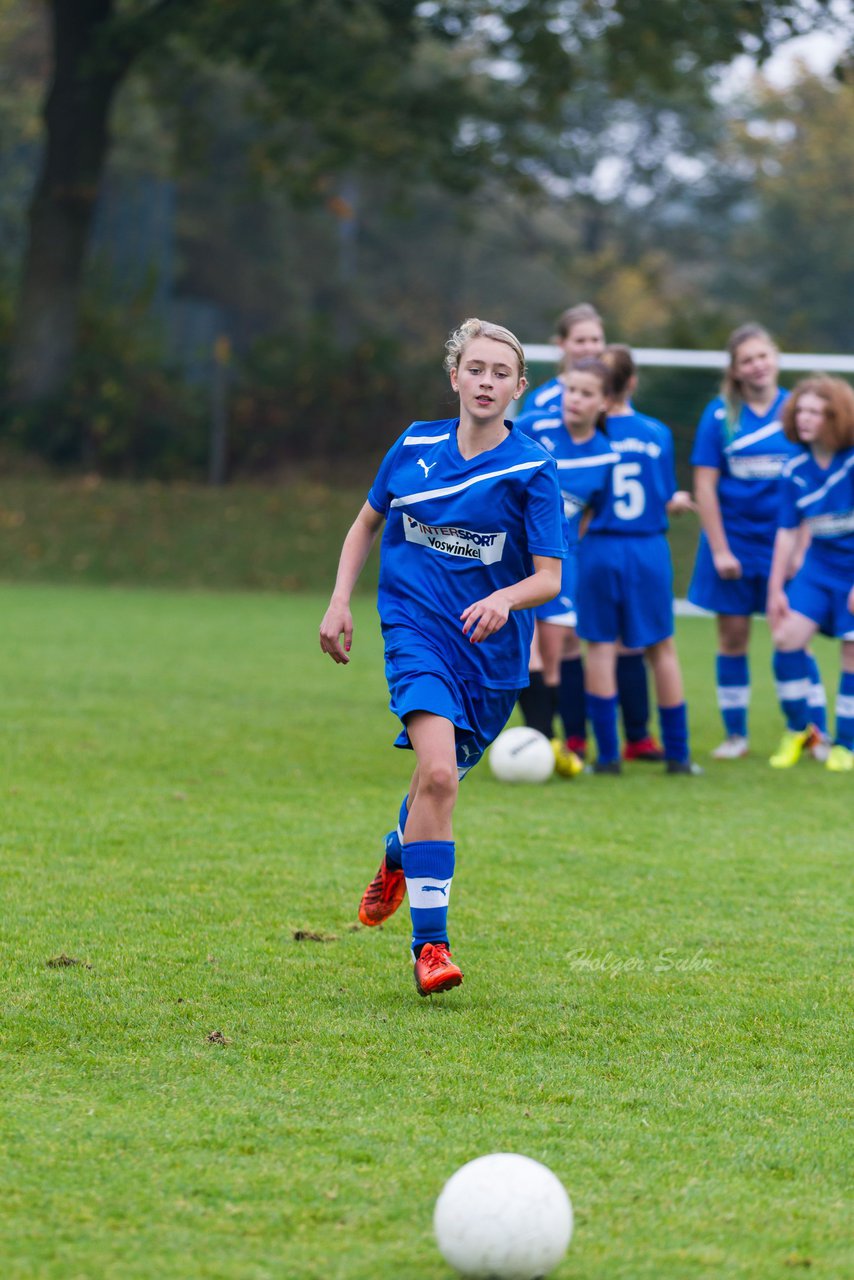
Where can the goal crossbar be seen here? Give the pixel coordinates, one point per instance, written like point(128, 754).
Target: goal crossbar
point(676, 358)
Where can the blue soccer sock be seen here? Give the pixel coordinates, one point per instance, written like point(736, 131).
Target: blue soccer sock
point(602, 713)
point(791, 672)
point(429, 869)
point(674, 732)
point(845, 711)
point(394, 839)
point(817, 699)
point(733, 676)
point(571, 701)
point(633, 694)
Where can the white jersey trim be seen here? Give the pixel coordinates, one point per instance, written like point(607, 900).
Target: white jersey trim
point(425, 494)
point(566, 464)
point(770, 429)
point(828, 484)
point(419, 440)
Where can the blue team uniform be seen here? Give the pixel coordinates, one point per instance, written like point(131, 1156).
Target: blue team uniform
point(543, 400)
point(457, 530)
point(583, 472)
point(750, 459)
point(824, 500)
point(625, 580)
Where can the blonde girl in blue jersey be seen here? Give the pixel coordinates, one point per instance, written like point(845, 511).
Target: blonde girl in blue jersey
point(817, 501)
point(473, 541)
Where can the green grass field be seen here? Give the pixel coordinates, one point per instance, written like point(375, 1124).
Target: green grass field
point(657, 971)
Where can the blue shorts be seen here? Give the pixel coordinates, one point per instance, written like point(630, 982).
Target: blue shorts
point(824, 602)
point(740, 596)
point(561, 611)
point(420, 679)
point(625, 589)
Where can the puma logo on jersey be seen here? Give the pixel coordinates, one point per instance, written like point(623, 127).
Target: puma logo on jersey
point(427, 469)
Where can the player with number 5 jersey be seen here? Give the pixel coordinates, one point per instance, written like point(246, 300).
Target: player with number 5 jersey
point(625, 578)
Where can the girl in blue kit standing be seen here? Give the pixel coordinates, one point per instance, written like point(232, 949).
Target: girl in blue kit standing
point(576, 440)
point(818, 498)
point(473, 540)
point(739, 454)
point(625, 578)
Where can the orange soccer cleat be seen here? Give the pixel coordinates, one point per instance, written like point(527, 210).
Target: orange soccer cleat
point(435, 970)
point(383, 895)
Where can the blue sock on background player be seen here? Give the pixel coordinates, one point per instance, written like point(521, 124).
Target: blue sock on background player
point(817, 699)
point(429, 869)
point(845, 711)
point(572, 704)
point(394, 839)
point(674, 732)
point(602, 713)
point(733, 676)
point(791, 672)
point(633, 694)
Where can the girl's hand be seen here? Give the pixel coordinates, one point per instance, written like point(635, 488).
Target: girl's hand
point(726, 564)
point(777, 608)
point(681, 502)
point(485, 617)
point(337, 621)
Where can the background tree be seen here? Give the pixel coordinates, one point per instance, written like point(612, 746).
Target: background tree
point(443, 90)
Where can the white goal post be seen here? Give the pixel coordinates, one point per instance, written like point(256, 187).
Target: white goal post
point(676, 358)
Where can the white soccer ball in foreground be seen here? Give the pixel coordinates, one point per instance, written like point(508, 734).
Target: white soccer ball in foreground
point(521, 755)
point(503, 1217)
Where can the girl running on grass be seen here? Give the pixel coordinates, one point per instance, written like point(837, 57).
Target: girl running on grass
point(473, 540)
point(818, 497)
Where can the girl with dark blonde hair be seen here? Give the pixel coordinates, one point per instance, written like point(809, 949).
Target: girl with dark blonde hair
point(739, 454)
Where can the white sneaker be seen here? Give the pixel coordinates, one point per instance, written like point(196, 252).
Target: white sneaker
point(732, 748)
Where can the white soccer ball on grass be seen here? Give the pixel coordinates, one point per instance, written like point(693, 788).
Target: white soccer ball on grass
point(522, 755)
point(503, 1217)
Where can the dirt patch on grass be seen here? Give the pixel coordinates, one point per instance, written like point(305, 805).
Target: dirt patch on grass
point(62, 961)
point(307, 935)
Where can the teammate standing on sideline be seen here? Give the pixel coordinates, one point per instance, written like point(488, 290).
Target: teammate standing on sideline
point(577, 442)
point(739, 454)
point(625, 578)
point(818, 492)
point(473, 541)
point(580, 334)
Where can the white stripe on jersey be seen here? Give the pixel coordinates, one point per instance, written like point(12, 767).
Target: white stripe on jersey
point(566, 464)
point(546, 424)
point(419, 440)
point(795, 462)
point(828, 484)
point(466, 484)
point(770, 429)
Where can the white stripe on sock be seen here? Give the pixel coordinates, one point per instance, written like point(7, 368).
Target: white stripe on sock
point(733, 696)
point(793, 690)
point(426, 892)
point(845, 706)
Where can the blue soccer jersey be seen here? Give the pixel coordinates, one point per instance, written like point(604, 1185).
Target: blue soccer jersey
point(543, 399)
point(643, 479)
point(823, 498)
point(584, 470)
point(456, 530)
point(750, 455)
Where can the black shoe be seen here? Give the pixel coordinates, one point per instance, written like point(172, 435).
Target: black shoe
point(685, 766)
point(604, 766)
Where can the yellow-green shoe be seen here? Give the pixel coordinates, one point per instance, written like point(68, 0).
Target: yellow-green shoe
point(791, 745)
point(567, 763)
point(840, 759)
